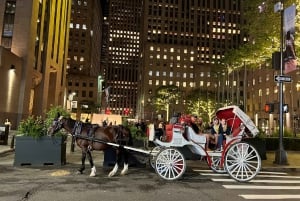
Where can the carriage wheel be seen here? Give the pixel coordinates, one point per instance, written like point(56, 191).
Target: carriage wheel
point(153, 155)
point(242, 162)
point(170, 164)
point(216, 164)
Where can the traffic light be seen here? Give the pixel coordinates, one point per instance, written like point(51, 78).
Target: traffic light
point(269, 107)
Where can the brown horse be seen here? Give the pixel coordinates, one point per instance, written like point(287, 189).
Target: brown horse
point(93, 137)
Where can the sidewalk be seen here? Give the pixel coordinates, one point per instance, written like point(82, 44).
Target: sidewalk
point(293, 157)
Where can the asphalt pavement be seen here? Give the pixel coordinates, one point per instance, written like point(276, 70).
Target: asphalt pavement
point(293, 157)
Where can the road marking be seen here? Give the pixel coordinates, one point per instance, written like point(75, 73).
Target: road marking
point(261, 187)
point(261, 181)
point(265, 172)
point(270, 197)
point(279, 176)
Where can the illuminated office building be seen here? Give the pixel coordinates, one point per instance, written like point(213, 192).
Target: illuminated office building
point(83, 63)
point(34, 41)
point(120, 60)
point(181, 42)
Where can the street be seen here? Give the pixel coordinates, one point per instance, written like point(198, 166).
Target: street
point(57, 183)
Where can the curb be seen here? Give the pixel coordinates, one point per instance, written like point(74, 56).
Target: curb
point(6, 151)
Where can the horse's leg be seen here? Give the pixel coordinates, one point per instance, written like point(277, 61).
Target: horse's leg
point(124, 154)
point(116, 167)
point(93, 169)
point(83, 156)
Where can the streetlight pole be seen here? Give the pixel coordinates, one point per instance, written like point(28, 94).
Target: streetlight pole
point(280, 155)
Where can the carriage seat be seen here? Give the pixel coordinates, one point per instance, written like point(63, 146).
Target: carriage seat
point(236, 132)
point(197, 138)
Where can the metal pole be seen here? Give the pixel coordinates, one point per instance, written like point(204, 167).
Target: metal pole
point(280, 155)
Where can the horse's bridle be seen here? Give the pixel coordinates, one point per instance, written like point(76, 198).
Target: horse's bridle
point(58, 124)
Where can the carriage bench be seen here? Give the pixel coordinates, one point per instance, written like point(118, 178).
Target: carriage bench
point(4, 131)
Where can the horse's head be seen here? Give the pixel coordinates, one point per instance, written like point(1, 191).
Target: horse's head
point(56, 125)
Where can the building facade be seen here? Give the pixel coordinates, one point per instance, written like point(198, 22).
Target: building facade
point(182, 41)
point(83, 63)
point(120, 60)
point(34, 41)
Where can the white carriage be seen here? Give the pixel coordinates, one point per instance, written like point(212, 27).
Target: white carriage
point(238, 158)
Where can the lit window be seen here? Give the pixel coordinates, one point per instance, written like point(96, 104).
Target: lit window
point(151, 48)
point(77, 26)
point(192, 59)
point(164, 82)
point(201, 83)
point(178, 58)
point(191, 75)
point(171, 49)
point(157, 73)
point(184, 84)
point(81, 58)
point(165, 57)
point(184, 75)
point(177, 83)
point(170, 82)
point(158, 56)
point(171, 74)
point(150, 82)
point(150, 73)
point(156, 82)
point(71, 25)
point(84, 26)
point(75, 58)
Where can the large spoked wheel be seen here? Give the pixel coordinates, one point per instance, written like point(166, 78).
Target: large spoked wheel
point(216, 164)
point(242, 162)
point(153, 155)
point(170, 164)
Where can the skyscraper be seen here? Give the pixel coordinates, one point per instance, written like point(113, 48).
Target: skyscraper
point(181, 41)
point(84, 56)
point(120, 61)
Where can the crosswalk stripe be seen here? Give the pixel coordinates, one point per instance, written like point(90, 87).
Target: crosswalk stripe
point(279, 173)
point(270, 197)
point(261, 181)
point(261, 187)
point(278, 176)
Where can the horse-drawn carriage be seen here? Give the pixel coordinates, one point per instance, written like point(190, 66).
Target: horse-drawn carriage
point(239, 159)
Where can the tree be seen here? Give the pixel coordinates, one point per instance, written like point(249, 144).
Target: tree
point(164, 96)
point(201, 103)
point(263, 34)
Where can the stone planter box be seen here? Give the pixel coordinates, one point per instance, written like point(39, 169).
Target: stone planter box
point(41, 151)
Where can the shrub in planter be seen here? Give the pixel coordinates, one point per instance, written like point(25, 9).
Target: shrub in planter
point(34, 147)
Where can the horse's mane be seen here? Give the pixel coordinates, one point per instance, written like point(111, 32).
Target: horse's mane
point(70, 122)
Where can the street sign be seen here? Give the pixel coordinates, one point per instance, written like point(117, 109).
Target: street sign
point(282, 78)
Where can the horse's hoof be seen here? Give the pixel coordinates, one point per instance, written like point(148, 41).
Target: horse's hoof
point(93, 172)
point(111, 174)
point(124, 173)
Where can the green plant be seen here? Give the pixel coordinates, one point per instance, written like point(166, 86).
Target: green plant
point(36, 127)
point(32, 126)
point(52, 114)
